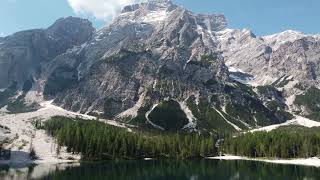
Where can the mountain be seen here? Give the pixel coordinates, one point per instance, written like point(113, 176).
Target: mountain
point(288, 61)
point(289, 53)
point(25, 55)
point(160, 66)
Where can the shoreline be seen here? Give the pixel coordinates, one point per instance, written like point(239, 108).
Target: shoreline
point(20, 125)
point(44, 145)
point(27, 163)
point(311, 162)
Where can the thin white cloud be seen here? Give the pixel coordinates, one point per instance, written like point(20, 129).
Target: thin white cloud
point(100, 9)
point(2, 34)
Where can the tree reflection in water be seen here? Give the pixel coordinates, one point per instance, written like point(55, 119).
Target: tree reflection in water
point(155, 170)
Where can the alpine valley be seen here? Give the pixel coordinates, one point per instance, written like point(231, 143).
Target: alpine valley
point(156, 68)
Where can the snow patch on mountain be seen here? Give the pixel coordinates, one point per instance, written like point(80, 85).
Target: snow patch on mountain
point(276, 40)
point(192, 120)
point(23, 134)
point(151, 12)
point(235, 70)
point(146, 17)
point(155, 16)
point(298, 120)
point(239, 75)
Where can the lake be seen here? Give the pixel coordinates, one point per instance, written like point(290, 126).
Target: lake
point(158, 170)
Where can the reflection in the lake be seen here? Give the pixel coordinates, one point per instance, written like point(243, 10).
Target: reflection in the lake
point(32, 171)
point(155, 170)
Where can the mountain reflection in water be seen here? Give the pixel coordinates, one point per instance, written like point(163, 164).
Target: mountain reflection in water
point(155, 170)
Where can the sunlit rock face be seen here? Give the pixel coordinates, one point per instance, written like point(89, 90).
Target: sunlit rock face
point(24, 54)
point(269, 58)
point(154, 53)
point(155, 46)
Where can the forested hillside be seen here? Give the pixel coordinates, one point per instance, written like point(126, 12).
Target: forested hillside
point(310, 100)
point(97, 141)
point(285, 142)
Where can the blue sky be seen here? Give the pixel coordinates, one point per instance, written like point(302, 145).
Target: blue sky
point(261, 16)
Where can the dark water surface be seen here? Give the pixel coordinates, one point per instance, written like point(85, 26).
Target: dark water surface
point(156, 170)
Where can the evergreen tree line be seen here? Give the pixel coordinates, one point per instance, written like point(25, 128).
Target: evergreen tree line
point(97, 140)
point(280, 143)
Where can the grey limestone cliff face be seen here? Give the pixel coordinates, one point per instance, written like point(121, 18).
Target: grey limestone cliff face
point(24, 54)
point(148, 44)
point(288, 61)
point(25, 57)
point(154, 59)
point(150, 54)
point(270, 58)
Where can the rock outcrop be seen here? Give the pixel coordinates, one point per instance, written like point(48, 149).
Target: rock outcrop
point(158, 65)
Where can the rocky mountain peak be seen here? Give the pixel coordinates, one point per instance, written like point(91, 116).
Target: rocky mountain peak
point(155, 54)
point(152, 5)
point(25, 53)
point(73, 29)
point(160, 24)
point(278, 39)
point(149, 12)
point(69, 21)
